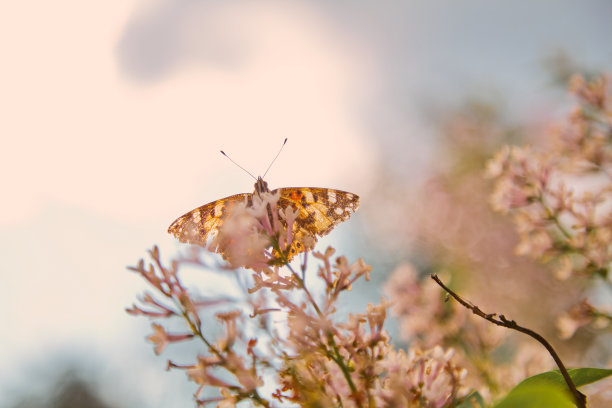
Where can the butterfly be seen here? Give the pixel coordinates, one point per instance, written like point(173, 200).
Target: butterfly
point(319, 211)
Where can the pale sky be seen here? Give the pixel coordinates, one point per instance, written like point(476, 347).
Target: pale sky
point(113, 115)
point(96, 164)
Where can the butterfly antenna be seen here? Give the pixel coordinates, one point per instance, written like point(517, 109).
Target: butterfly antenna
point(273, 160)
point(230, 159)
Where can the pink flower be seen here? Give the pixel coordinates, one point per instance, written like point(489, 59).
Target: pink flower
point(201, 373)
point(242, 239)
point(259, 235)
point(161, 338)
point(421, 378)
point(289, 215)
point(578, 316)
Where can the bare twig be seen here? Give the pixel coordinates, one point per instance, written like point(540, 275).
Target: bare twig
point(579, 397)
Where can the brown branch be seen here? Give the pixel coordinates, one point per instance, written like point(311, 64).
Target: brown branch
point(579, 397)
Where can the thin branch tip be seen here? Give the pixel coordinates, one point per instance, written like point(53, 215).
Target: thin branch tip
point(579, 397)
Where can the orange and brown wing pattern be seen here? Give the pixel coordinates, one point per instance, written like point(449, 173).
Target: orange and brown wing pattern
point(320, 210)
point(199, 225)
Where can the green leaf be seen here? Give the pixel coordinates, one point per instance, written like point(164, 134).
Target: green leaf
point(550, 389)
point(580, 377)
point(472, 400)
point(537, 396)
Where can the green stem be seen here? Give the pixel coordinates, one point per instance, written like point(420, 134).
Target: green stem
point(340, 361)
point(336, 357)
point(198, 332)
point(554, 218)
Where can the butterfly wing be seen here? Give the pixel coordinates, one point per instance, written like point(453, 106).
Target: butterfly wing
point(199, 225)
point(320, 210)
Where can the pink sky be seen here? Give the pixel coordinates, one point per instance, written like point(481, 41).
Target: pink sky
point(94, 162)
point(81, 134)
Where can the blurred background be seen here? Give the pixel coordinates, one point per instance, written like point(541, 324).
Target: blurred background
point(113, 115)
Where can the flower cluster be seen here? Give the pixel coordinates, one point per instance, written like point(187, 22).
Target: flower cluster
point(292, 340)
point(454, 233)
point(245, 237)
point(420, 378)
point(223, 359)
point(560, 198)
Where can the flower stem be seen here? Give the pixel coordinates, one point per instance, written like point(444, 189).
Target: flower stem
point(336, 356)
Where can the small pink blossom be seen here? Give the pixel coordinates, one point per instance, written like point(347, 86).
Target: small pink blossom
point(202, 373)
point(241, 240)
point(160, 338)
point(578, 316)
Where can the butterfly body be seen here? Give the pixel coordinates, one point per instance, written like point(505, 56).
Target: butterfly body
point(320, 210)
